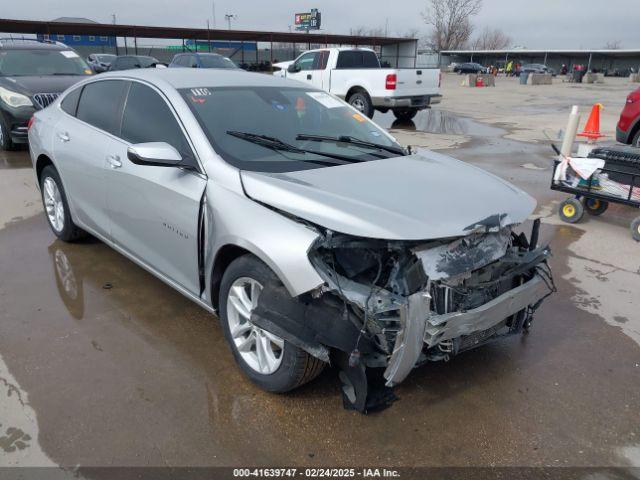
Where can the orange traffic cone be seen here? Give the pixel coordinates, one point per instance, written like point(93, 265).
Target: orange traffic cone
point(592, 127)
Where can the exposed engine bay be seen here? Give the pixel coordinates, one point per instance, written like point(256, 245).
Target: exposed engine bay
point(389, 306)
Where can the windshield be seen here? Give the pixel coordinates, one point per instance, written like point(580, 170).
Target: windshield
point(216, 61)
point(291, 116)
point(25, 62)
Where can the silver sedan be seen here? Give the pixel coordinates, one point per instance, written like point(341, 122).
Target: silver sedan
point(315, 236)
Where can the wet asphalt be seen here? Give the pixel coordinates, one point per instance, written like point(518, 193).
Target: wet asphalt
point(116, 368)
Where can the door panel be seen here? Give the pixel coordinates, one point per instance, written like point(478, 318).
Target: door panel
point(80, 154)
point(154, 216)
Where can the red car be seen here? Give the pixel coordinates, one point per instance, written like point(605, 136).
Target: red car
point(628, 128)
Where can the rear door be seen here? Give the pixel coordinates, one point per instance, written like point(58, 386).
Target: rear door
point(154, 210)
point(83, 138)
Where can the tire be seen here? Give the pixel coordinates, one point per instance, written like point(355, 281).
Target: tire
point(635, 141)
point(571, 210)
point(405, 114)
point(63, 226)
point(6, 143)
point(362, 102)
point(595, 206)
point(635, 229)
point(295, 366)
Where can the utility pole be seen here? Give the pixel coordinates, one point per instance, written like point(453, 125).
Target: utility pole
point(230, 17)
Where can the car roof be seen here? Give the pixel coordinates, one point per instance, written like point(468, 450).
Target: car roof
point(204, 77)
point(30, 44)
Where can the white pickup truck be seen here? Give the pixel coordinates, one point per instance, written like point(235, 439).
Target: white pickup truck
point(355, 75)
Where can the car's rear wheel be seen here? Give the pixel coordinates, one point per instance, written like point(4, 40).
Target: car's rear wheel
point(636, 139)
point(269, 361)
point(56, 206)
point(362, 102)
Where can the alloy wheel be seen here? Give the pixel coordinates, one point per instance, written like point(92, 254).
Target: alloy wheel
point(261, 350)
point(53, 204)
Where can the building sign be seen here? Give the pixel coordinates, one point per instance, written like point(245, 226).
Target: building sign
point(308, 21)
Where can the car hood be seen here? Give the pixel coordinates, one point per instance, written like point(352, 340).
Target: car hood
point(418, 197)
point(30, 85)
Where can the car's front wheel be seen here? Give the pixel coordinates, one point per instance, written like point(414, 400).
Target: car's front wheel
point(56, 206)
point(5, 138)
point(269, 361)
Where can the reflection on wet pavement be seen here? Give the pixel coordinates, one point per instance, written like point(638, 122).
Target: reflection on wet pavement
point(136, 374)
point(15, 159)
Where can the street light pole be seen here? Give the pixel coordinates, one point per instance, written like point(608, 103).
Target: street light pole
point(230, 17)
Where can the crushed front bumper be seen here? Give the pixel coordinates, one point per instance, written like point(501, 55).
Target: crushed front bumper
point(420, 328)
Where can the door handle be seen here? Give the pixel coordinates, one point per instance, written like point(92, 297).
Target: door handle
point(114, 161)
point(309, 77)
point(63, 136)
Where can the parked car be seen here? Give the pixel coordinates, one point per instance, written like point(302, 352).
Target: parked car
point(355, 75)
point(469, 67)
point(537, 68)
point(128, 62)
point(100, 62)
point(32, 75)
point(628, 128)
point(201, 60)
point(307, 227)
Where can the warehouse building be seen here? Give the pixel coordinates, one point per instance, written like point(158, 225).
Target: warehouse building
point(78, 40)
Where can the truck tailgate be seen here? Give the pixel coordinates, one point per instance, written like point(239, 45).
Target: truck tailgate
point(414, 82)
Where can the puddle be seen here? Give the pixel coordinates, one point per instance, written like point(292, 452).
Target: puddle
point(440, 121)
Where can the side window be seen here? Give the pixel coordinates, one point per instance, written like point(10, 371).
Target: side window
point(180, 60)
point(357, 59)
point(306, 61)
point(349, 59)
point(100, 104)
point(70, 103)
point(193, 61)
point(148, 118)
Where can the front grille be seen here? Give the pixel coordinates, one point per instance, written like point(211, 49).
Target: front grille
point(43, 100)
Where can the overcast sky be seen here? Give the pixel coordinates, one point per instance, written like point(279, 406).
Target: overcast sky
point(530, 23)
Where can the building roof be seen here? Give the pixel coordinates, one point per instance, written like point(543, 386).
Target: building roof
point(143, 31)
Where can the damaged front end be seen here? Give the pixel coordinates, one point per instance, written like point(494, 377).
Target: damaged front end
point(389, 306)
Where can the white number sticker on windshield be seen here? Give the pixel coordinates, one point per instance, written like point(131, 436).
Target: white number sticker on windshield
point(326, 99)
point(69, 54)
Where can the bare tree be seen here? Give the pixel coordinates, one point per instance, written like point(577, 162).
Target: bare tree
point(613, 45)
point(451, 22)
point(491, 39)
point(367, 32)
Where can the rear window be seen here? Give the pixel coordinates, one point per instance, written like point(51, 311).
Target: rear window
point(357, 59)
point(216, 61)
point(70, 103)
point(100, 105)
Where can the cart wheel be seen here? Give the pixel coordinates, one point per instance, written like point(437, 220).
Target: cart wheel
point(595, 206)
point(635, 229)
point(571, 210)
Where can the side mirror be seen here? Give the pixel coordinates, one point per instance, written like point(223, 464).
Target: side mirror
point(293, 68)
point(159, 154)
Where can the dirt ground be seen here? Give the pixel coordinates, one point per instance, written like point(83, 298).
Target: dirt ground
point(101, 364)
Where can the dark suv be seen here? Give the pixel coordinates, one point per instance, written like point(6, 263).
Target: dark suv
point(32, 75)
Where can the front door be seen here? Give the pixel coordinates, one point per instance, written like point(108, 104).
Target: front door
point(154, 210)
